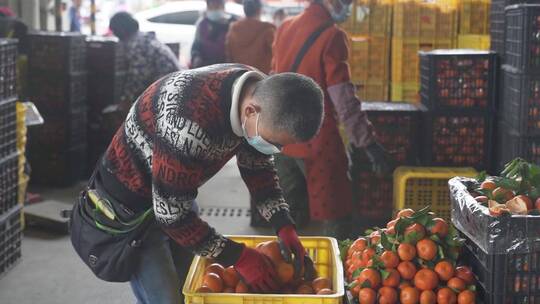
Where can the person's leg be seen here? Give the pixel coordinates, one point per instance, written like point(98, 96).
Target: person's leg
point(292, 180)
point(155, 279)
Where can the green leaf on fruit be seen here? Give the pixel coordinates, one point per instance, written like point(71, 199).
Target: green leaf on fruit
point(357, 272)
point(366, 284)
point(344, 248)
point(385, 274)
point(472, 288)
point(441, 252)
point(411, 238)
point(368, 231)
point(352, 285)
point(481, 176)
point(435, 238)
point(385, 242)
point(402, 224)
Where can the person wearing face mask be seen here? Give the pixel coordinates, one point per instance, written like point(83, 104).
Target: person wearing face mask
point(209, 44)
point(313, 174)
point(249, 41)
point(178, 134)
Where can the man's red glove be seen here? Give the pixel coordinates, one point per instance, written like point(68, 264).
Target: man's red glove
point(257, 271)
point(289, 238)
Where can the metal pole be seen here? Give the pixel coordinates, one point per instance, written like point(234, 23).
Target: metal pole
point(58, 15)
point(93, 16)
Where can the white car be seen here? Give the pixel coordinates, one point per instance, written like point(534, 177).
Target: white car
point(174, 22)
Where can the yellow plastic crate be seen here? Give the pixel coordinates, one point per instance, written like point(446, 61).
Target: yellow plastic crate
point(417, 187)
point(21, 127)
point(426, 21)
point(324, 252)
point(372, 90)
point(370, 17)
point(475, 42)
point(369, 58)
point(474, 17)
point(405, 92)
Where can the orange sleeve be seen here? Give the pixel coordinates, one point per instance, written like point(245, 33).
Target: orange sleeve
point(335, 59)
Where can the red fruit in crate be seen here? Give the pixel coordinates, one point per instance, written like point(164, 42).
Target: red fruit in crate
point(406, 252)
point(230, 277)
point(404, 213)
point(440, 227)
point(204, 289)
point(428, 297)
point(502, 193)
point(426, 279)
point(525, 200)
point(367, 296)
point(416, 230)
point(446, 296)
point(445, 270)
point(393, 278)
point(466, 297)
point(360, 244)
point(215, 268)
point(325, 291)
point(321, 283)
point(213, 281)
point(426, 249)
point(387, 295)
point(390, 259)
point(368, 254)
point(241, 287)
point(465, 273)
point(371, 276)
point(456, 284)
point(537, 204)
point(406, 270)
point(409, 295)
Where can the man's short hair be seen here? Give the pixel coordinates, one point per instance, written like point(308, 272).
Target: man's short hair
point(123, 25)
point(292, 103)
point(252, 7)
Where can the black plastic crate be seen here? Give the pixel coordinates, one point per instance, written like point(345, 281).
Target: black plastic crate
point(8, 127)
point(372, 195)
point(522, 38)
point(9, 181)
point(458, 79)
point(497, 26)
point(504, 278)
point(56, 93)
point(8, 68)
point(10, 239)
point(57, 52)
point(511, 145)
point(59, 168)
point(60, 132)
point(457, 139)
point(104, 90)
point(397, 128)
point(520, 106)
point(105, 55)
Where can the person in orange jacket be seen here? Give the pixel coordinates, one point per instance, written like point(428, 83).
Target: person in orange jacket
point(313, 175)
point(249, 41)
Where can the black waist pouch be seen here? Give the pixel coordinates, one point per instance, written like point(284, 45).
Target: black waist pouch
point(112, 256)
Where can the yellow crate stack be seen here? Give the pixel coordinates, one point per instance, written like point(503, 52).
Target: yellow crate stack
point(474, 24)
point(21, 148)
point(370, 65)
point(418, 26)
point(369, 29)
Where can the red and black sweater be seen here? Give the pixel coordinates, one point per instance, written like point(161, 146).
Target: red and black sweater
point(176, 136)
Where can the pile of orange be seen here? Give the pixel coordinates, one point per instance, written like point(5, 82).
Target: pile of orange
point(412, 260)
point(218, 279)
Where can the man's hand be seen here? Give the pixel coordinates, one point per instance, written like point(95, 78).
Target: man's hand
point(257, 271)
point(289, 239)
point(381, 161)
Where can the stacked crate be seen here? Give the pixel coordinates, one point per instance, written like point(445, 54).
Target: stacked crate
point(106, 69)
point(418, 26)
point(496, 25)
point(519, 128)
point(474, 24)
point(369, 29)
point(397, 128)
point(10, 229)
point(458, 89)
point(58, 87)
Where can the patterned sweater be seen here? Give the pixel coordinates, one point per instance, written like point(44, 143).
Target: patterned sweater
point(178, 134)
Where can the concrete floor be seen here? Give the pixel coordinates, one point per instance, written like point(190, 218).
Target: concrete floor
point(50, 271)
